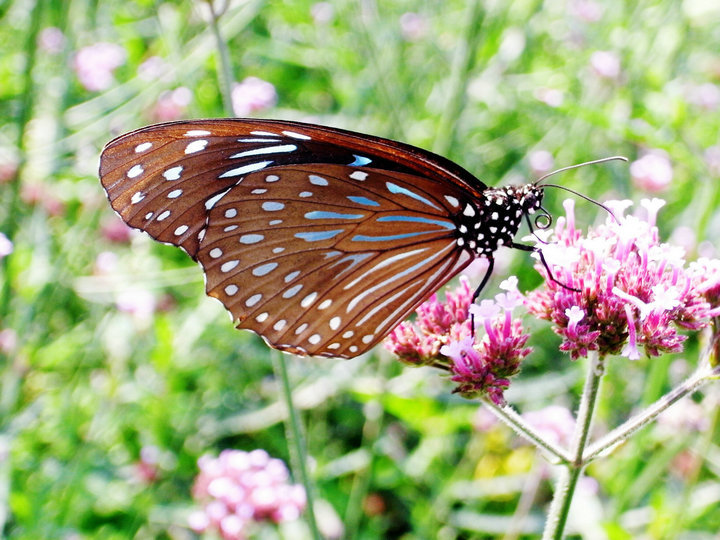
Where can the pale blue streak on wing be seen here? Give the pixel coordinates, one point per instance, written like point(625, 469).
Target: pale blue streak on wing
point(446, 224)
point(320, 214)
point(318, 235)
point(394, 188)
point(360, 161)
point(363, 200)
point(365, 238)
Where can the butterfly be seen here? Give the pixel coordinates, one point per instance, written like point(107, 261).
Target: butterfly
point(320, 240)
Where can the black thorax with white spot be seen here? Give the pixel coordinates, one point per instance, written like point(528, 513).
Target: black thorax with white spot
point(493, 221)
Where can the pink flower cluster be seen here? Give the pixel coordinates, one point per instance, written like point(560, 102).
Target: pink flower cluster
point(631, 290)
point(95, 64)
point(442, 336)
point(239, 488)
point(253, 94)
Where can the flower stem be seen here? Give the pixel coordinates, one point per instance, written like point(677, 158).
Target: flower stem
point(296, 440)
point(622, 432)
point(565, 489)
point(225, 77)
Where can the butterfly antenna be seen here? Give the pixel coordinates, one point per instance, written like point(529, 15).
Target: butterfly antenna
point(594, 162)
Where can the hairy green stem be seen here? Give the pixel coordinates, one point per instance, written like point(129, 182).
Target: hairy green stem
point(296, 440)
point(701, 376)
point(565, 489)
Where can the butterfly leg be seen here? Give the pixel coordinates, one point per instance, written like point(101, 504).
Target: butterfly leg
point(535, 249)
point(485, 279)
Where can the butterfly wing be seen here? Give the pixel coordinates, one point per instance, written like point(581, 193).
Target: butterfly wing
point(181, 181)
point(326, 259)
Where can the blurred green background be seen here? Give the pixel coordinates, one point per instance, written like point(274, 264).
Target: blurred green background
point(117, 372)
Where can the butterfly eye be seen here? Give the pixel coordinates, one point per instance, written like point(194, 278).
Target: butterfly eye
point(320, 240)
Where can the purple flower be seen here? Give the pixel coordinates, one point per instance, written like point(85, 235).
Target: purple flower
point(442, 337)
point(252, 95)
point(633, 290)
point(541, 162)
point(94, 65)
point(413, 26)
point(238, 488)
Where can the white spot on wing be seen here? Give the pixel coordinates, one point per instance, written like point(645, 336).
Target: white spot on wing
point(314, 339)
point(231, 289)
point(142, 147)
point(292, 291)
point(229, 265)
point(300, 329)
point(230, 213)
point(262, 317)
point(325, 304)
point(358, 175)
point(270, 178)
point(295, 135)
point(197, 133)
point(254, 299)
point(271, 206)
point(452, 200)
point(173, 173)
point(279, 325)
point(212, 201)
point(239, 171)
point(335, 323)
point(259, 191)
point(291, 276)
point(137, 197)
point(308, 300)
point(135, 171)
point(174, 194)
point(267, 150)
point(196, 146)
point(264, 269)
point(317, 180)
point(251, 238)
point(164, 215)
point(215, 253)
point(182, 229)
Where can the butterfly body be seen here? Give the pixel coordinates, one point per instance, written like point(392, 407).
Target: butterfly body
point(320, 240)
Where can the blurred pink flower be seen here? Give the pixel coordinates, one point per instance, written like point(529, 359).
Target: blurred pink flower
point(605, 64)
point(51, 40)
point(140, 303)
point(8, 340)
point(712, 159)
point(632, 290)
point(94, 65)
point(8, 169)
point(106, 262)
point(322, 12)
point(38, 194)
point(705, 96)
point(6, 246)
point(541, 162)
point(146, 468)
point(587, 10)
point(115, 230)
point(171, 105)
point(652, 172)
point(550, 96)
point(554, 422)
point(238, 488)
point(152, 68)
point(252, 95)
point(442, 337)
point(413, 26)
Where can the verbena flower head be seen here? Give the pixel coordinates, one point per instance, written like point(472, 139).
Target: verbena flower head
point(442, 337)
point(239, 488)
point(633, 291)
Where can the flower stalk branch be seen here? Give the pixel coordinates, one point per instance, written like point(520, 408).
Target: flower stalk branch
point(700, 377)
